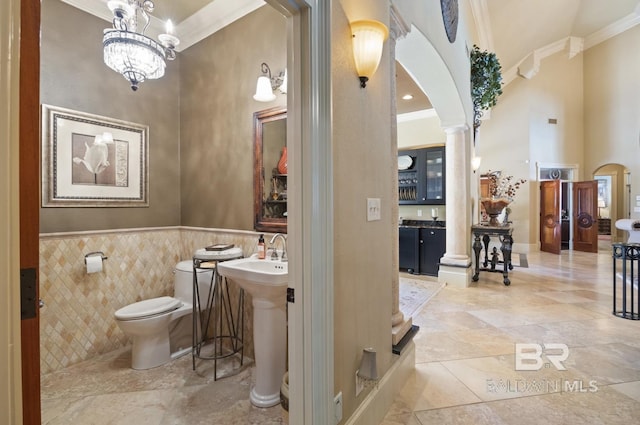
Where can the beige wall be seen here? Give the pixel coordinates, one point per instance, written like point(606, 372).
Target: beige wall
point(612, 107)
point(364, 165)
point(73, 75)
point(217, 81)
point(518, 136)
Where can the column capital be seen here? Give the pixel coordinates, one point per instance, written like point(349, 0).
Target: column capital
point(398, 26)
point(453, 129)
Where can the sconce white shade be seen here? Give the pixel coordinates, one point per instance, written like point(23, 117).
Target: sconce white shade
point(368, 41)
point(475, 162)
point(264, 93)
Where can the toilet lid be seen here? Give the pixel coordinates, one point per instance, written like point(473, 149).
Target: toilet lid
point(147, 308)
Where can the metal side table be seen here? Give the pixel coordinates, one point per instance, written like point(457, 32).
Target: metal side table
point(218, 321)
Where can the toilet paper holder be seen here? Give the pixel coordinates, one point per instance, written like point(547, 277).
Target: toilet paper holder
point(94, 253)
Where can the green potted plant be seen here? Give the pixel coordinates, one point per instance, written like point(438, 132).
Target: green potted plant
point(486, 82)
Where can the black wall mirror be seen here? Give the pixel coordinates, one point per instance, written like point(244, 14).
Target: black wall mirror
point(270, 170)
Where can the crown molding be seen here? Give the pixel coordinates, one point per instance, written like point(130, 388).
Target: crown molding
point(480, 12)
point(610, 31)
point(211, 18)
point(529, 66)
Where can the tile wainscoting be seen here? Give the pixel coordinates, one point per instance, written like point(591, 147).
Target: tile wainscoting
point(77, 320)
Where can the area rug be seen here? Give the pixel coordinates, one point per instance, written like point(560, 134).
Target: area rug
point(415, 293)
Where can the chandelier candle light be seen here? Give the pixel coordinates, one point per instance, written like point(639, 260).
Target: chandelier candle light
point(131, 53)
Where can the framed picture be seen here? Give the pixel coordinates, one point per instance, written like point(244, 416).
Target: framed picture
point(93, 161)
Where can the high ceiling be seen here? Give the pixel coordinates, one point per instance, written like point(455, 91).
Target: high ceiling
point(513, 29)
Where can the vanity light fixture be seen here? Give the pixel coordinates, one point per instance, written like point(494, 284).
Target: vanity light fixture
point(475, 163)
point(368, 40)
point(131, 53)
point(267, 84)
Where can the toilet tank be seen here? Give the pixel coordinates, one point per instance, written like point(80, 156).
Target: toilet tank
point(183, 282)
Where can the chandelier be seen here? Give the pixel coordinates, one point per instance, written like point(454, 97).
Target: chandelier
point(130, 52)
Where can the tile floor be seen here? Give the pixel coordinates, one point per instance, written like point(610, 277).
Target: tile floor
point(465, 350)
point(105, 390)
point(465, 363)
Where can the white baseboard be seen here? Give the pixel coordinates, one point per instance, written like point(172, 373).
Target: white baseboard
point(376, 404)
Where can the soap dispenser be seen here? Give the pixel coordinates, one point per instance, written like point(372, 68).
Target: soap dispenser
point(261, 251)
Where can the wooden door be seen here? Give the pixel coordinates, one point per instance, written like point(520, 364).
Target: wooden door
point(29, 204)
point(585, 222)
point(550, 228)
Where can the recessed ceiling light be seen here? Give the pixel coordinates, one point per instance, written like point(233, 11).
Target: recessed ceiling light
point(407, 97)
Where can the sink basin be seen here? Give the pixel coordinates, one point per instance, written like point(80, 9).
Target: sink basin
point(266, 281)
point(260, 278)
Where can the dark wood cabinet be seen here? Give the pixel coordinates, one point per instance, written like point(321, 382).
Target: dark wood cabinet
point(432, 248)
point(421, 176)
point(420, 249)
point(409, 247)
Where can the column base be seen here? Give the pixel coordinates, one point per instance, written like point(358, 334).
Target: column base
point(400, 330)
point(459, 276)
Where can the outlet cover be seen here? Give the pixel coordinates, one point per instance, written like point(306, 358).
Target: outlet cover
point(373, 209)
point(337, 402)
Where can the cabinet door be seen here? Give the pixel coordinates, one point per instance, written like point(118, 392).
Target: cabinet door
point(434, 191)
point(409, 248)
point(432, 248)
point(409, 176)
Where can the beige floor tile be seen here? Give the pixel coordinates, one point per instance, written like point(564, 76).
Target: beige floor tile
point(434, 386)
point(630, 389)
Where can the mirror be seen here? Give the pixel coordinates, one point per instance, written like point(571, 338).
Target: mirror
point(269, 170)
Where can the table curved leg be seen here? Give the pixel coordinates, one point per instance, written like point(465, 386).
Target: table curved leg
point(477, 247)
point(507, 242)
point(485, 241)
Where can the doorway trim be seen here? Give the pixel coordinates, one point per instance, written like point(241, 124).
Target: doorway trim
point(310, 221)
point(10, 367)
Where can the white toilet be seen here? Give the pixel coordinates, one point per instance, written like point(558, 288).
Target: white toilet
point(161, 328)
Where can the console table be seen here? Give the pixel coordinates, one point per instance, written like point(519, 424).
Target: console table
point(486, 232)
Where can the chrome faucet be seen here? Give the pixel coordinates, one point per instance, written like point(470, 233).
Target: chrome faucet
point(274, 253)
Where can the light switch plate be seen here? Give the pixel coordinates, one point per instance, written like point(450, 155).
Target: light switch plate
point(373, 209)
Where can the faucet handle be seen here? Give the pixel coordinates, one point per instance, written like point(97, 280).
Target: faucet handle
point(274, 253)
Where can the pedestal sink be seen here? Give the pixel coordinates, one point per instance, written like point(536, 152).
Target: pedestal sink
point(266, 281)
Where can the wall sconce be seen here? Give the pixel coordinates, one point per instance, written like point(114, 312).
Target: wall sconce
point(267, 84)
point(368, 41)
point(475, 163)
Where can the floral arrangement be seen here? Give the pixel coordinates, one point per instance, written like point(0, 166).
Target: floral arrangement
point(503, 187)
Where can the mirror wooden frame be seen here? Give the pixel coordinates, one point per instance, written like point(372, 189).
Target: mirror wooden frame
point(262, 223)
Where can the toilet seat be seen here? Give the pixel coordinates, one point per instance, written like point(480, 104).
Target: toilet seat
point(148, 308)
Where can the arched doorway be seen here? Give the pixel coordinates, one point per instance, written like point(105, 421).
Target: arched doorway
point(614, 201)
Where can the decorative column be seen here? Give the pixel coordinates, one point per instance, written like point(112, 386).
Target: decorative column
point(399, 325)
point(455, 265)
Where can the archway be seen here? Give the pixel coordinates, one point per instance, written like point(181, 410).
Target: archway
point(614, 201)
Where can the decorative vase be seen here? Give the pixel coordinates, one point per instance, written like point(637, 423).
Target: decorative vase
point(282, 163)
point(493, 207)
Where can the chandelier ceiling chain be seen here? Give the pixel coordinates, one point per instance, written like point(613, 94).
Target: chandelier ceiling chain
point(130, 52)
